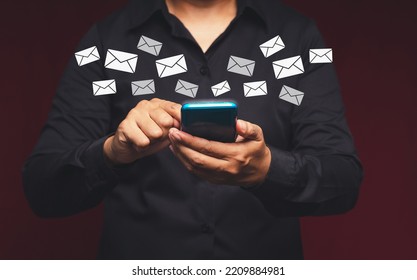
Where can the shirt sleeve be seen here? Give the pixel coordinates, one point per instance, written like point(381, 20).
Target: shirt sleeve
point(66, 172)
point(321, 173)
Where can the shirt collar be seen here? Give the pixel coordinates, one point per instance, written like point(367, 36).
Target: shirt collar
point(258, 7)
point(141, 10)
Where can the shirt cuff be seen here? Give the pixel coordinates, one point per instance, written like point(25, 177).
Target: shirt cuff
point(281, 176)
point(98, 173)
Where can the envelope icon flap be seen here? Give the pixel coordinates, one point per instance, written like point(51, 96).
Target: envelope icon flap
point(122, 56)
point(88, 52)
point(288, 62)
point(321, 52)
point(186, 85)
point(104, 84)
point(170, 61)
point(255, 85)
point(149, 42)
point(292, 92)
point(274, 41)
point(222, 85)
point(144, 83)
point(242, 62)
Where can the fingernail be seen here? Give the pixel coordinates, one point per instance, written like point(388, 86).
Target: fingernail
point(175, 135)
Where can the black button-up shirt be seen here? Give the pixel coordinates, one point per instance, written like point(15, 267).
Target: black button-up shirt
point(155, 209)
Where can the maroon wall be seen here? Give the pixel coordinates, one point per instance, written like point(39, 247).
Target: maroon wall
point(374, 46)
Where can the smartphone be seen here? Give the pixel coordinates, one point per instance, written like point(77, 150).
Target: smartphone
point(212, 120)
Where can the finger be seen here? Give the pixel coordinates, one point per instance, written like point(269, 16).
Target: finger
point(187, 164)
point(197, 162)
point(173, 109)
point(249, 130)
point(129, 133)
point(211, 148)
point(164, 120)
point(147, 125)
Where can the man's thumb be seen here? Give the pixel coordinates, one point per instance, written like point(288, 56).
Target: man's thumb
point(248, 130)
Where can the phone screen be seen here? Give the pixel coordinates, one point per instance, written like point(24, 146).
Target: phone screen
point(214, 120)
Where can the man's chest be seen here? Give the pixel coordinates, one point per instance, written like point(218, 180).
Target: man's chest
point(237, 68)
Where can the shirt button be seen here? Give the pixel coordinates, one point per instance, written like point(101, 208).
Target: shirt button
point(204, 70)
point(205, 228)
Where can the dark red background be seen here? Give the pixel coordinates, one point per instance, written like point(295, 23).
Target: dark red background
point(374, 45)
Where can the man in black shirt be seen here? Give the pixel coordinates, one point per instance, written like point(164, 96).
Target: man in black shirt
point(112, 133)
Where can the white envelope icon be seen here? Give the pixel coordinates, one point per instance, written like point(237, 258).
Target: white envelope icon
point(255, 89)
point(288, 67)
point(220, 88)
point(87, 56)
point(104, 87)
point(121, 61)
point(291, 95)
point(321, 55)
point(171, 66)
point(186, 88)
point(272, 46)
point(143, 87)
point(149, 45)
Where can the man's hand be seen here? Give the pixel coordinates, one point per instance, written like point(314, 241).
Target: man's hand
point(143, 132)
point(244, 163)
